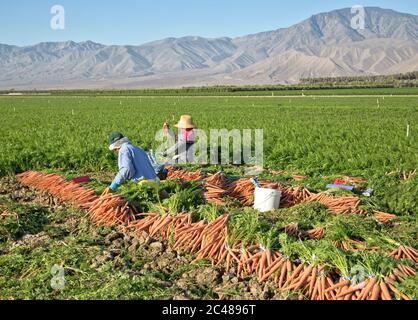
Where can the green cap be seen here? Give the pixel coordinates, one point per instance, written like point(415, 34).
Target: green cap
point(115, 136)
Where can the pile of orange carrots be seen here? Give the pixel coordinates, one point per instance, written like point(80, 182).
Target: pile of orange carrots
point(218, 187)
point(210, 241)
point(58, 187)
point(338, 205)
point(109, 209)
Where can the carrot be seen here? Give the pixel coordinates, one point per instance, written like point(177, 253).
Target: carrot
point(399, 274)
point(268, 255)
point(330, 284)
point(375, 292)
point(262, 264)
point(400, 294)
point(283, 274)
point(228, 259)
point(304, 276)
point(298, 271)
point(368, 288)
point(166, 221)
point(352, 289)
point(385, 294)
point(312, 282)
point(340, 284)
point(233, 255)
point(254, 264)
point(316, 288)
point(221, 259)
point(413, 252)
point(156, 223)
point(349, 296)
point(322, 287)
point(216, 247)
point(407, 271)
point(273, 268)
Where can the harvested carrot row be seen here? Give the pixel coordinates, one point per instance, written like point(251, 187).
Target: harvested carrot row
point(383, 217)
point(209, 240)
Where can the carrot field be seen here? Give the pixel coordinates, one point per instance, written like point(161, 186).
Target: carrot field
point(320, 244)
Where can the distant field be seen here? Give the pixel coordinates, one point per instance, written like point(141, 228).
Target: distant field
point(231, 91)
point(309, 135)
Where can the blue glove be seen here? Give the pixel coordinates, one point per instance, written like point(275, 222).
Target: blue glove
point(114, 186)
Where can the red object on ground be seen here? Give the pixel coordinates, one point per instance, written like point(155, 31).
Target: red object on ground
point(338, 181)
point(81, 179)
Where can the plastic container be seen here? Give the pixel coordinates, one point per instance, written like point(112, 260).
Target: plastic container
point(266, 199)
point(81, 179)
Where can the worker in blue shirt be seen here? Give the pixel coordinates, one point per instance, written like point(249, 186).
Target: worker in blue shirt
point(133, 162)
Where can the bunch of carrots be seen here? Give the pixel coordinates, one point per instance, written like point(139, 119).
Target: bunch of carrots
point(383, 217)
point(405, 252)
point(174, 174)
point(293, 196)
point(110, 209)
point(218, 179)
point(353, 245)
point(316, 233)
point(214, 194)
point(338, 205)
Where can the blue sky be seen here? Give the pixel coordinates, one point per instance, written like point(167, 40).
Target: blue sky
point(24, 22)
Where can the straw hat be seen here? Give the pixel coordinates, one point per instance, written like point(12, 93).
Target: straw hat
point(186, 122)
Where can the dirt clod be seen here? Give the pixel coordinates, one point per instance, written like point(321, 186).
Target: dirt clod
point(156, 247)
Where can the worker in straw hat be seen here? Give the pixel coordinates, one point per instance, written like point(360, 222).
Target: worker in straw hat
point(133, 162)
point(183, 150)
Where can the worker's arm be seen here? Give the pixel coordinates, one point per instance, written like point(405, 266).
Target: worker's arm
point(179, 146)
point(126, 169)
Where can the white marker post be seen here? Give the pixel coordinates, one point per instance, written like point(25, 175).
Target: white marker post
point(408, 130)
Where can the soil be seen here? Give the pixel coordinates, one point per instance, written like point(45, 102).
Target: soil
point(146, 255)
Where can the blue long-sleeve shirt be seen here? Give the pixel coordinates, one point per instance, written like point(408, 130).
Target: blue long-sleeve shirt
point(133, 164)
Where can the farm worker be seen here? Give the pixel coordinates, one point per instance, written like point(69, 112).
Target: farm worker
point(133, 162)
point(159, 169)
point(183, 149)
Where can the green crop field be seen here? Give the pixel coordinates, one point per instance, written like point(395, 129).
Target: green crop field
point(353, 135)
point(321, 138)
point(358, 136)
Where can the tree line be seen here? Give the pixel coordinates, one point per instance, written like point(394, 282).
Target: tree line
point(400, 79)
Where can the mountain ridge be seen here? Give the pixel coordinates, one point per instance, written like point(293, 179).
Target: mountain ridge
point(321, 45)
